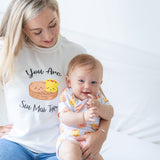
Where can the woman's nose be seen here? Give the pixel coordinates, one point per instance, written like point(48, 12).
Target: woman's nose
point(47, 35)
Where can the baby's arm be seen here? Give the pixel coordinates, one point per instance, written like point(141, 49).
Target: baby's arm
point(67, 113)
point(71, 118)
point(103, 110)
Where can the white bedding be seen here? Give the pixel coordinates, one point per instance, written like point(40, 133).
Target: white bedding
point(132, 84)
point(120, 146)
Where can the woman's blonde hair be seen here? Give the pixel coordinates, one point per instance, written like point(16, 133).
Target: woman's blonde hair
point(17, 15)
point(85, 60)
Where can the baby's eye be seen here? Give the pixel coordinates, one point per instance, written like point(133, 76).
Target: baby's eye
point(94, 82)
point(81, 80)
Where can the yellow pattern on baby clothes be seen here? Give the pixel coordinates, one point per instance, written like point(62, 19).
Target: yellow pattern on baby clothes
point(62, 98)
point(94, 126)
point(65, 90)
point(105, 99)
point(62, 138)
point(72, 101)
point(61, 129)
point(75, 132)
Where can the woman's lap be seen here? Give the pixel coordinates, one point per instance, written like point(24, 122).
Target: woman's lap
point(13, 151)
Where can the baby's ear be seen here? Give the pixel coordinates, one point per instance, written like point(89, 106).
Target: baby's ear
point(101, 82)
point(68, 82)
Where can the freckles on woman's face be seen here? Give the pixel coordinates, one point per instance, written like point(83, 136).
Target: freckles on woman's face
point(43, 30)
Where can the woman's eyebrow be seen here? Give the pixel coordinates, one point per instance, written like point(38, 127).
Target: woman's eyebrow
point(34, 29)
point(40, 28)
point(52, 21)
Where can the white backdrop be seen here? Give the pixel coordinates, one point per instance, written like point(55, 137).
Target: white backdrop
point(124, 35)
point(132, 23)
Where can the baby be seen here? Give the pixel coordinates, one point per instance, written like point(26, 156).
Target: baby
point(81, 106)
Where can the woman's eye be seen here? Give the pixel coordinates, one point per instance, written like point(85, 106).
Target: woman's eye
point(38, 33)
point(53, 26)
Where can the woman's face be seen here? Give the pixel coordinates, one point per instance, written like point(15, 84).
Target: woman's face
point(43, 30)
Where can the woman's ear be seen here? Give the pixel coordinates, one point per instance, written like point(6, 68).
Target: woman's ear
point(68, 82)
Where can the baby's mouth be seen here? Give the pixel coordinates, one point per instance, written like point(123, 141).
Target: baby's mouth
point(86, 93)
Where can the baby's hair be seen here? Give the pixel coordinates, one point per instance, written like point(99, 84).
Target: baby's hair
point(84, 60)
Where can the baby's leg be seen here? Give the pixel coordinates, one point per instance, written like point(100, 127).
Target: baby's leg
point(70, 150)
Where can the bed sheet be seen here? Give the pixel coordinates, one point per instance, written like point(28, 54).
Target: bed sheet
point(120, 146)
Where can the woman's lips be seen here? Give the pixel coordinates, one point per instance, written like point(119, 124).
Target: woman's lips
point(49, 41)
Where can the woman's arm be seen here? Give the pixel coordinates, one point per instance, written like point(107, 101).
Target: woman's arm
point(3, 109)
point(4, 129)
point(94, 141)
point(105, 111)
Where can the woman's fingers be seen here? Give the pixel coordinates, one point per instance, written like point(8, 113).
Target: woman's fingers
point(5, 129)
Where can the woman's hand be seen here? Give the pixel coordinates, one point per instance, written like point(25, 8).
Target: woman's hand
point(93, 144)
point(4, 130)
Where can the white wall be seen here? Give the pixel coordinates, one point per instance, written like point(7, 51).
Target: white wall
point(3, 6)
point(133, 23)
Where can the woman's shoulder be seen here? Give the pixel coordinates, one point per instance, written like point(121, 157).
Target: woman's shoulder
point(69, 49)
point(72, 45)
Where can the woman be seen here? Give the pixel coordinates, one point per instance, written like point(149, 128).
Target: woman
point(34, 58)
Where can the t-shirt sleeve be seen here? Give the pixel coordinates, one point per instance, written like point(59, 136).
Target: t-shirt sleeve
point(3, 109)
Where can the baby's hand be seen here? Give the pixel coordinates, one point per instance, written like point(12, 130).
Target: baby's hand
point(93, 102)
point(90, 114)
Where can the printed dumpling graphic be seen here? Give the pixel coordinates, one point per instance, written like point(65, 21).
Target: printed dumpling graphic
point(94, 126)
point(72, 101)
point(75, 132)
point(44, 90)
point(105, 99)
point(82, 125)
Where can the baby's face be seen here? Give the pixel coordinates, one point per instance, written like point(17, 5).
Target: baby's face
point(84, 81)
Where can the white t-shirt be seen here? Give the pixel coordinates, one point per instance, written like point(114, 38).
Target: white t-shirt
point(32, 96)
